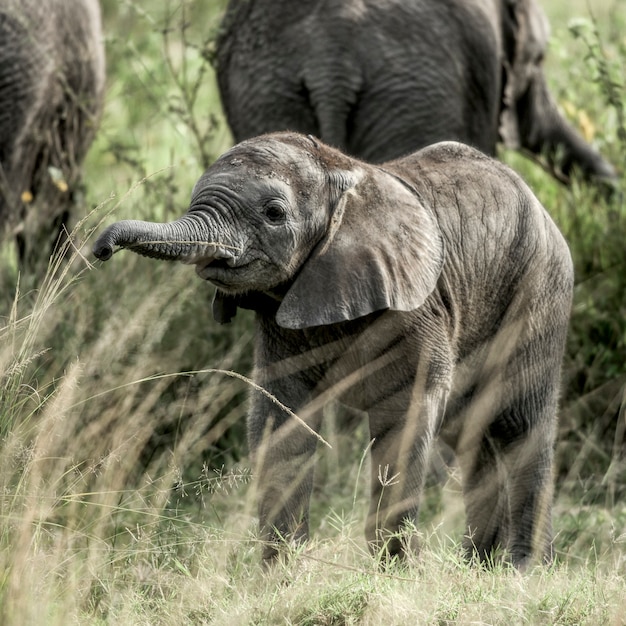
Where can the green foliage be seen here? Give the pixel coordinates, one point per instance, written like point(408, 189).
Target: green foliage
point(595, 400)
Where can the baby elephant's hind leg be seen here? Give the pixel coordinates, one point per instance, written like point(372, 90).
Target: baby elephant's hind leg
point(507, 466)
point(508, 495)
point(528, 471)
point(506, 451)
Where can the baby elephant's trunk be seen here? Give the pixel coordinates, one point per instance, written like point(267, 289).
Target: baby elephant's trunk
point(184, 240)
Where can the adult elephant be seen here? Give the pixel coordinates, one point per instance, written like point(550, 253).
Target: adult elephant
point(51, 94)
point(381, 78)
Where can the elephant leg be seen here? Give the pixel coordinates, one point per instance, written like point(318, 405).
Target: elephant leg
point(508, 495)
point(400, 459)
point(506, 458)
point(486, 502)
point(529, 489)
point(283, 456)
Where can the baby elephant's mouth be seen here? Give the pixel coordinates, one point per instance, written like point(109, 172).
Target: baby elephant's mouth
point(223, 264)
point(218, 271)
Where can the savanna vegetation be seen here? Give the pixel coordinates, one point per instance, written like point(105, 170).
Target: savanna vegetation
point(125, 492)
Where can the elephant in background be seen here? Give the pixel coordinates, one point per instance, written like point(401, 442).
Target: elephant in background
point(432, 292)
point(382, 78)
point(51, 95)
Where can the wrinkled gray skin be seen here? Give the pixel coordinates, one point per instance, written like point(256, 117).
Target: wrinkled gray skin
point(432, 292)
point(51, 94)
point(382, 78)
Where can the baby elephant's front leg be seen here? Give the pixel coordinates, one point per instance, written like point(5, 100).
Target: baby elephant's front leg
point(282, 450)
point(400, 456)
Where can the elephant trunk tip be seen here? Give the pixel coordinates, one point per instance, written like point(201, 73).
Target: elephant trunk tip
point(113, 235)
point(103, 250)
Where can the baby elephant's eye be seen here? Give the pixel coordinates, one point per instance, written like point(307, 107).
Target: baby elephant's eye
point(274, 212)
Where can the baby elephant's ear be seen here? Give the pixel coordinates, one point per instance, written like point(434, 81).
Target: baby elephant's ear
point(383, 250)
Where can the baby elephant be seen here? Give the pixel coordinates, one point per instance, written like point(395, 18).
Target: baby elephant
point(432, 292)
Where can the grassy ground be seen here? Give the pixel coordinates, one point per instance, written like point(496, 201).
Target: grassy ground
point(125, 494)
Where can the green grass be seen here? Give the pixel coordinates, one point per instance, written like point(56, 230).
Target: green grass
point(125, 489)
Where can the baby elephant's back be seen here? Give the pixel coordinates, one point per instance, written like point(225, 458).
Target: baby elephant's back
point(503, 252)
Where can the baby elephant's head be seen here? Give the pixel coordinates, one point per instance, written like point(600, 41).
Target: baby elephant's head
point(255, 215)
point(330, 238)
